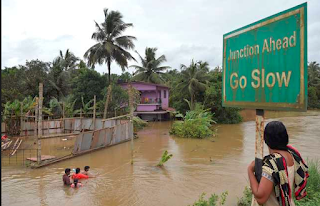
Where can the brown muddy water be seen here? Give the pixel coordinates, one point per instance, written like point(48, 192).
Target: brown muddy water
point(196, 166)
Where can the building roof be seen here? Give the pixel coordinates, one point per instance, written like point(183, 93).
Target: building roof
point(146, 83)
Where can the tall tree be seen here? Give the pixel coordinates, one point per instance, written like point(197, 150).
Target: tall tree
point(194, 79)
point(313, 74)
point(150, 69)
point(68, 61)
point(112, 45)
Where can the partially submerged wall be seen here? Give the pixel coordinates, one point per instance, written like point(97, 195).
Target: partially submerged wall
point(115, 131)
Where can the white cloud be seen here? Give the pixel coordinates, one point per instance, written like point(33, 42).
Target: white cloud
point(182, 30)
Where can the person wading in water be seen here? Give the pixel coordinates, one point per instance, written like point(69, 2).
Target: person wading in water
point(283, 170)
point(66, 177)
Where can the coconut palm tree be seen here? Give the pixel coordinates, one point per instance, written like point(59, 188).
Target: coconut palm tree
point(313, 74)
point(68, 61)
point(150, 71)
point(193, 79)
point(111, 45)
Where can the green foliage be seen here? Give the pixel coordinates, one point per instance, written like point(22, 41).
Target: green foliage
point(313, 185)
point(150, 69)
point(314, 85)
point(313, 98)
point(196, 124)
point(165, 157)
point(86, 84)
point(194, 79)
point(212, 201)
point(246, 199)
point(111, 46)
point(212, 100)
point(139, 123)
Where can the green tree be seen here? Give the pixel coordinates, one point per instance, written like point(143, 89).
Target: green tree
point(313, 74)
point(111, 46)
point(314, 85)
point(11, 85)
point(213, 99)
point(86, 84)
point(194, 79)
point(150, 69)
point(68, 61)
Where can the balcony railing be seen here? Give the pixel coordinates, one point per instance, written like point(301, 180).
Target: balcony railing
point(151, 101)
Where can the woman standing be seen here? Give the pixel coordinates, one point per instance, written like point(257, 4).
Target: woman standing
point(284, 172)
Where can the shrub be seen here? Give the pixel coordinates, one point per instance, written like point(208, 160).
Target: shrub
point(138, 123)
point(165, 157)
point(212, 201)
point(246, 199)
point(195, 124)
point(313, 185)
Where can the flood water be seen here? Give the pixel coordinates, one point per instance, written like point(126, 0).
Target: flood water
point(196, 166)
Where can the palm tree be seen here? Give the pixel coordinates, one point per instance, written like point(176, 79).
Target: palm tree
point(313, 74)
point(150, 71)
point(194, 79)
point(111, 44)
point(68, 61)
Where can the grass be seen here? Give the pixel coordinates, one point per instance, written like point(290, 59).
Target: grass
point(212, 201)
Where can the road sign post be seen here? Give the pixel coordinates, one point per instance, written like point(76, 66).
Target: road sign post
point(265, 67)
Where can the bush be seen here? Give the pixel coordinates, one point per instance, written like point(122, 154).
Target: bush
point(313, 186)
point(196, 124)
point(212, 201)
point(139, 123)
point(246, 199)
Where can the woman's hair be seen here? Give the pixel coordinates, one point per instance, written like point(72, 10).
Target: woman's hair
point(86, 168)
point(276, 136)
point(75, 182)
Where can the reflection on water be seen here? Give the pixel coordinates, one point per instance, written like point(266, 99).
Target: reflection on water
point(196, 166)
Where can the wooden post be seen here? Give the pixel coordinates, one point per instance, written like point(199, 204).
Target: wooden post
point(21, 119)
point(62, 117)
point(40, 122)
point(81, 120)
point(259, 145)
point(94, 112)
point(131, 118)
point(107, 102)
point(36, 109)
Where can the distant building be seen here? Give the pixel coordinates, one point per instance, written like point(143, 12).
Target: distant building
point(154, 101)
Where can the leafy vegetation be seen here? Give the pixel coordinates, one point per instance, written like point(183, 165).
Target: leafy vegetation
point(196, 124)
point(214, 200)
point(150, 70)
point(111, 44)
point(246, 199)
point(165, 157)
point(313, 185)
point(139, 123)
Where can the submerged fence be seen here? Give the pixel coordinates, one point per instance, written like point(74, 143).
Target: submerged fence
point(117, 131)
point(17, 157)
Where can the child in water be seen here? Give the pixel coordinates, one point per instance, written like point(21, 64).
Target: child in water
point(76, 184)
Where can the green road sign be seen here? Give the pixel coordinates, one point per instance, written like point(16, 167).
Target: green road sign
point(265, 63)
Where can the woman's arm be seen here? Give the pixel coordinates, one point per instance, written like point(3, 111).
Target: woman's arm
point(262, 190)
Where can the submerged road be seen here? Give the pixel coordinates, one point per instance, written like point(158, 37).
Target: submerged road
point(196, 166)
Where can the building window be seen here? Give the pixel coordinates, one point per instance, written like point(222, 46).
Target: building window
point(164, 93)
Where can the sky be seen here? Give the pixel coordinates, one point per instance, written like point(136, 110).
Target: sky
point(182, 30)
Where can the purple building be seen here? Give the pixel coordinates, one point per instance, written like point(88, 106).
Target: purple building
point(154, 100)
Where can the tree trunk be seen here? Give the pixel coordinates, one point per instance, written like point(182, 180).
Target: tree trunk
point(109, 70)
point(192, 102)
